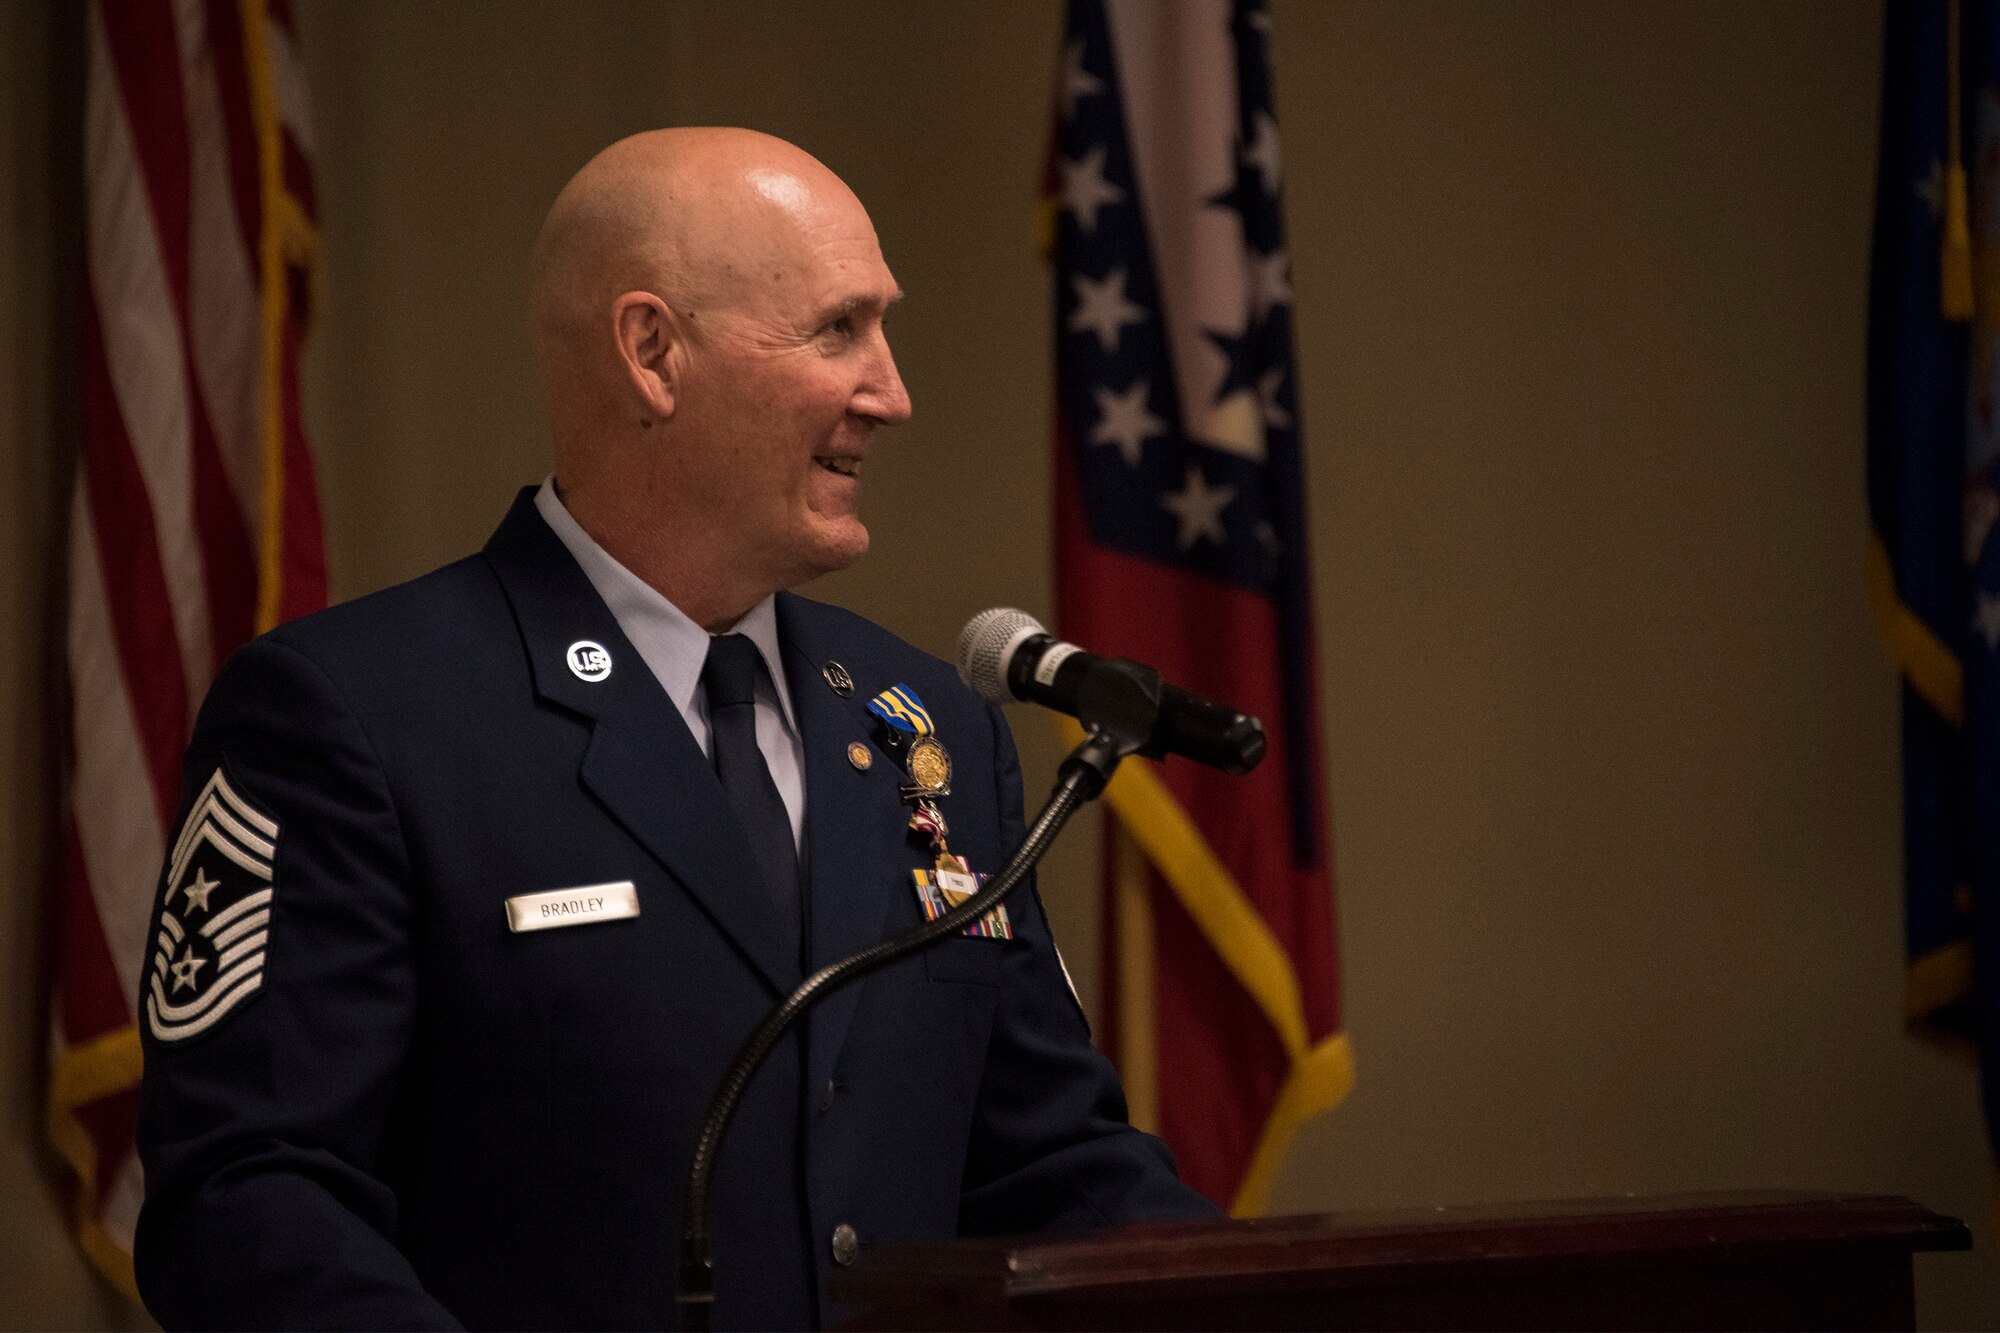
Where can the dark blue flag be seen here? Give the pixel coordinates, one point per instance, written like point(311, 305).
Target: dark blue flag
point(1934, 566)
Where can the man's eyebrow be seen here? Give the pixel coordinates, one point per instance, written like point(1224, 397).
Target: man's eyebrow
point(856, 304)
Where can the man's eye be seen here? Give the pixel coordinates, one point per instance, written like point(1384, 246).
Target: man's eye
point(842, 327)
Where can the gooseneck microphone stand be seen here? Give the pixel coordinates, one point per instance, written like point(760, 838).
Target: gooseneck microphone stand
point(1121, 716)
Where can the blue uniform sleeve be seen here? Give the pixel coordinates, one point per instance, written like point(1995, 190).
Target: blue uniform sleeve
point(1051, 1146)
point(271, 1063)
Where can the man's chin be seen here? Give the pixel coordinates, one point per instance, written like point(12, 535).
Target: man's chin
point(834, 547)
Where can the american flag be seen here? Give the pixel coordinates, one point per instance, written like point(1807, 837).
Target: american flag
point(1181, 541)
point(195, 520)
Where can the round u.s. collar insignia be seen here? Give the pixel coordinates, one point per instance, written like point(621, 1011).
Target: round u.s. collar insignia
point(860, 756)
point(837, 679)
point(588, 661)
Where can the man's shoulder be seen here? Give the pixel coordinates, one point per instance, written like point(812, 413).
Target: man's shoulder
point(436, 605)
point(870, 649)
point(408, 640)
point(810, 619)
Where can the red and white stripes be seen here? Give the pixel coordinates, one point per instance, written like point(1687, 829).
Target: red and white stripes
point(193, 466)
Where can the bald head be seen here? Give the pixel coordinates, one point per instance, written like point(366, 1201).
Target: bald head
point(707, 309)
point(694, 216)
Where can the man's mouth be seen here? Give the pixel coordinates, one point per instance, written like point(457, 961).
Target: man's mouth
point(845, 465)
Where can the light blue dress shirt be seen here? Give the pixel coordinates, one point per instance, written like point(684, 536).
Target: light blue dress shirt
point(675, 648)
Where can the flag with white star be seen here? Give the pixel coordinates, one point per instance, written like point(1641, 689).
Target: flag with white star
point(1934, 557)
point(1181, 541)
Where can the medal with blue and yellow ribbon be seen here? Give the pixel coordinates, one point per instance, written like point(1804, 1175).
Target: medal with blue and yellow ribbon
point(900, 707)
point(907, 733)
point(904, 730)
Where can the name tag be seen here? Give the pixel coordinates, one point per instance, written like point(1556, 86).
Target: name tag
point(572, 907)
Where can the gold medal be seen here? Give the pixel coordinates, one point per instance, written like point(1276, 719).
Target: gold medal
point(929, 766)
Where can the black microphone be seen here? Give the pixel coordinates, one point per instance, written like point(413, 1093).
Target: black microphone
point(1004, 655)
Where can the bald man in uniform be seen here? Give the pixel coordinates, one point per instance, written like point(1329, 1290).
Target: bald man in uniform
point(484, 878)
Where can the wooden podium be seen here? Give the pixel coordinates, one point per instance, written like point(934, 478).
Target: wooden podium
point(1694, 1261)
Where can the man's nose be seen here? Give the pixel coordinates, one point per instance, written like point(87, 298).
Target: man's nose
point(883, 397)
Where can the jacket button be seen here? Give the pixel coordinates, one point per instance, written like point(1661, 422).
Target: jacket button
point(845, 1244)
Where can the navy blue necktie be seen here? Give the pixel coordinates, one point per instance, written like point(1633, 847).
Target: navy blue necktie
point(730, 677)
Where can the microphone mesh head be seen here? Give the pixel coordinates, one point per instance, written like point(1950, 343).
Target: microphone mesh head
point(983, 648)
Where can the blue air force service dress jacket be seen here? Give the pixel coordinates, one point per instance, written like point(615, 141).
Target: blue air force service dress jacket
point(370, 1104)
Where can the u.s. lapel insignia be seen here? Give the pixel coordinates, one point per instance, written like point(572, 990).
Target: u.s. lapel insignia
point(837, 679)
point(588, 661)
point(907, 732)
point(215, 916)
point(860, 756)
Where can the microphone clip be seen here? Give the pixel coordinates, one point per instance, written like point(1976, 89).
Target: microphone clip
point(1119, 706)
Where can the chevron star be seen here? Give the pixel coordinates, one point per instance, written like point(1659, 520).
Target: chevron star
point(1077, 83)
point(197, 892)
point(1084, 189)
point(1101, 307)
point(1987, 618)
point(185, 969)
point(1262, 151)
point(1199, 508)
point(1126, 422)
point(1270, 282)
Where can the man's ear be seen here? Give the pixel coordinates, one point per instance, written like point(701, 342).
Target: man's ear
point(649, 352)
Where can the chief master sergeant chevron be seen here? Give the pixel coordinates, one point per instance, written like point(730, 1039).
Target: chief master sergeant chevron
point(487, 875)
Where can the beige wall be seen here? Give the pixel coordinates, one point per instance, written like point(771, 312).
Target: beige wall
point(1580, 290)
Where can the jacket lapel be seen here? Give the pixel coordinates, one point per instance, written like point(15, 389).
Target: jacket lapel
point(642, 764)
point(857, 839)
